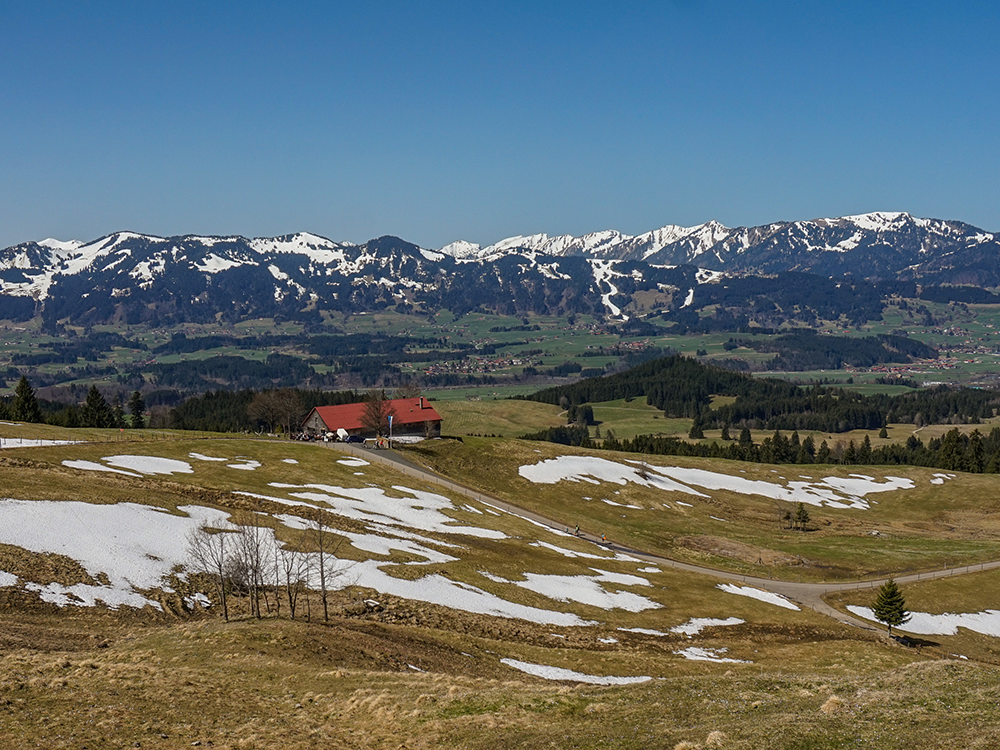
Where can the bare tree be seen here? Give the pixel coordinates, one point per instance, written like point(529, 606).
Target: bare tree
point(378, 409)
point(409, 389)
point(254, 555)
point(327, 564)
point(264, 408)
point(294, 570)
point(210, 552)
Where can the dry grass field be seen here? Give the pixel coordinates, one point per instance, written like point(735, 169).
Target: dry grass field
point(421, 669)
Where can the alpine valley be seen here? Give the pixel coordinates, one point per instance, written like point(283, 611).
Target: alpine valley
point(786, 271)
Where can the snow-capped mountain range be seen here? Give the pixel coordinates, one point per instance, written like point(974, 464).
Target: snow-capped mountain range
point(136, 277)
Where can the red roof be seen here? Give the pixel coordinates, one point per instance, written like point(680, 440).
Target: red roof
point(409, 411)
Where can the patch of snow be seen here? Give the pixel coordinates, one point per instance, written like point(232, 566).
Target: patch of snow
point(7, 579)
point(150, 464)
point(588, 590)
point(32, 443)
point(694, 653)
point(643, 631)
point(289, 461)
point(247, 465)
point(136, 546)
point(696, 624)
point(92, 466)
point(423, 511)
point(558, 673)
point(923, 623)
point(764, 596)
point(607, 640)
point(835, 492)
point(200, 457)
point(355, 462)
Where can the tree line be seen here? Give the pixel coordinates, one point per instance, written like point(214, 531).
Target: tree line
point(973, 452)
point(684, 388)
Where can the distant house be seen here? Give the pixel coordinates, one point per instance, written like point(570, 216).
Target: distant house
point(414, 416)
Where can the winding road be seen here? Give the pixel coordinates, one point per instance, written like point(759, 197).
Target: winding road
point(805, 594)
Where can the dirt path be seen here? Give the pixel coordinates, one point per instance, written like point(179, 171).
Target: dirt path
point(806, 594)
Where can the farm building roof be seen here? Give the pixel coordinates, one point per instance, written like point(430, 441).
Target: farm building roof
point(409, 411)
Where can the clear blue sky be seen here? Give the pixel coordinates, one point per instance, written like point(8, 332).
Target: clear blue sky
point(480, 120)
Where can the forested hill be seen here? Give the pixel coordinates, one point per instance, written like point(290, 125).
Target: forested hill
point(682, 387)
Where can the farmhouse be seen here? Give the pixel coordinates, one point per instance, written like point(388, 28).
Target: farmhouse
point(413, 416)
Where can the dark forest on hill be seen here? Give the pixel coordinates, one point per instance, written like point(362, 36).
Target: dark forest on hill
point(684, 388)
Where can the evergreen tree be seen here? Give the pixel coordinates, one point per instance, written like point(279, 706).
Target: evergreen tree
point(118, 412)
point(801, 517)
point(883, 433)
point(745, 437)
point(696, 432)
point(865, 452)
point(889, 607)
point(95, 411)
point(24, 407)
point(725, 432)
point(823, 456)
point(137, 408)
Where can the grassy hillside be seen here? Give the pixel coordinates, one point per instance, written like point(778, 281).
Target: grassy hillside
point(444, 600)
point(931, 525)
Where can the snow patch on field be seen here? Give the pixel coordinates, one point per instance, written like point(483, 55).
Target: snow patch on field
point(558, 673)
point(247, 465)
point(149, 464)
point(200, 457)
point(586, 589)
point(92, 466)
point(643, 631)
point(135, 546)
point(923, 623)
point(423, 511)
point(833, 492)
point(696, 624)
point(31, 443)
point(353, 462)
point(764, 596)
point(694, 653)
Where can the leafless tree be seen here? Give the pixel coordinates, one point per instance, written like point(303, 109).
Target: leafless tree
point(294, 570)
point(254, 554)
point(409, 389)
point(327, 564)
point(283, 407)
point(378, 409)
point(210, 552)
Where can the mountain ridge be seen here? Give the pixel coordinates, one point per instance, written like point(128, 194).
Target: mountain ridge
point(118, 276)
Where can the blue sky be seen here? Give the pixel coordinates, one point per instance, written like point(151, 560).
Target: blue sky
point(481, 120)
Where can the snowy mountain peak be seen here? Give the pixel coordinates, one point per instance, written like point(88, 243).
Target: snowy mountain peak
point(461, 249)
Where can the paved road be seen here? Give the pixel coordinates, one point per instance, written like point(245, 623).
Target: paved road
point(806, 594)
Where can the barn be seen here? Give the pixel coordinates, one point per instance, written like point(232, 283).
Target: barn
point(413, 416)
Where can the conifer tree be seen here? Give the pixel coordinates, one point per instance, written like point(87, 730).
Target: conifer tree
point(137, 408)
point(801, 517)
point(889, 607)
point(24, 407)
point(95, 411)
point(118, 412)
point(745, 437)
